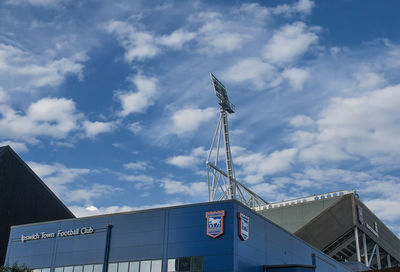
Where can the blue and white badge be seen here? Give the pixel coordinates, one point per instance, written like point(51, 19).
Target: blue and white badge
point(215, 223)
point(244, 224)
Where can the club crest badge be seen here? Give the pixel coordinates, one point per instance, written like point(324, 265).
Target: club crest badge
point(215, 223)
point(244, 224)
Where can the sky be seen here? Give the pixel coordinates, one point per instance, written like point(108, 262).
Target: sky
point(111, 103)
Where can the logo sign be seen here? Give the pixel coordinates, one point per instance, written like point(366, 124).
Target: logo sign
point(215, 223)
point(244, 224)
point(360, 215)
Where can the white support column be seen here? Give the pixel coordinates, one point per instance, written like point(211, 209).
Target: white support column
point(357, 244)
point(372, 255)
point(378, 257)
point(365, 249)
point(389, 263)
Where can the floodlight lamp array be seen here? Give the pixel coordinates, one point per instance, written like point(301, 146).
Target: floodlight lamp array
point(220, 92)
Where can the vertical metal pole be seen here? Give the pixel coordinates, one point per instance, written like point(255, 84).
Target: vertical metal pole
point(365, 249)
point(378, 257)
point(389, 263)
point(107, 249)
point(228, 157)
point(357, 244)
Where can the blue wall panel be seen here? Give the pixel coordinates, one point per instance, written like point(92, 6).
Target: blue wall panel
point(168, 233)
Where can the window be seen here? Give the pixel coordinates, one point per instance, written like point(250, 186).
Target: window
point(123, 267)
point(98, 268)
point(112, 267)
point(186, 264)
point(156, 266)
point(137, 266)
point(134, 267)
point(145, 266)
point(88, 268)
point(68, 269)
point(41, 270)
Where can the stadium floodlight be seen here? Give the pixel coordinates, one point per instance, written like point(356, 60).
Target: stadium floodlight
point(220, 92)
point(223, 184)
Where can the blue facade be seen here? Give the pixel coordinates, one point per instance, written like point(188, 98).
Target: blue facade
point(164, 234)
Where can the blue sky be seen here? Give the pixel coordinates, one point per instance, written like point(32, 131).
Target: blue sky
point(110, 102)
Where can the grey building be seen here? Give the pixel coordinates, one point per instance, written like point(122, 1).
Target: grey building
point(341, 226)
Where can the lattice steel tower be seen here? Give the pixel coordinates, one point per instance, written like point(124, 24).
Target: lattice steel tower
point(223, 185)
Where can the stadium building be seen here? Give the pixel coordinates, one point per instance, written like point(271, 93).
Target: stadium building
point(236, 230)
point(339, 225)
point(213, 236)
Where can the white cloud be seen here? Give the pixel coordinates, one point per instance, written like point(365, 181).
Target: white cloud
point(366, 126)
point(271, 192)
point(135, 127)
point(255, 166)
point(296, 77)
point(323, 177)
point(177, 38)
point(139, 101)
point(55, 118)
point(16, 146)
point(301, 121)
point(290, 42)
point(194, 189)
point(23, 71)
point(300, 7)
point(141, 45)
point(80, 211)
point(383, 197)
point(369, 80)
point(255, 10)
point(217, 36)
point(252, 70)
point(139, 165)
point(384, 208)
point(87, 195)
point(39, 3)
point(51, 117)
point(141, 181)
point(197, 156)
point(92, 129)
point(189, 119)
point(3, 96)
point(57, 176)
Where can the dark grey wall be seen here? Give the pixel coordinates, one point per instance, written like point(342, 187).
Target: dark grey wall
point(332, 223)
point(24, 198)
point(387, 239)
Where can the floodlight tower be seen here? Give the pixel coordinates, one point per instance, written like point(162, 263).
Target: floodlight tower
point(223, 185)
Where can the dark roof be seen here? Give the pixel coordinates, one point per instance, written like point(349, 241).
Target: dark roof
point(24, 197)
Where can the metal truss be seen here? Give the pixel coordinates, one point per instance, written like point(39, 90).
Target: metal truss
point(222, 185)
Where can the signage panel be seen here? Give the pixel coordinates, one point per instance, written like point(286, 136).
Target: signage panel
point(59, 233)
point(215, 223)
point(244, 226)
point(360, 215)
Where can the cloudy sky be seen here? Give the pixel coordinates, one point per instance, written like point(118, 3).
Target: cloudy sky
point(111, 104)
